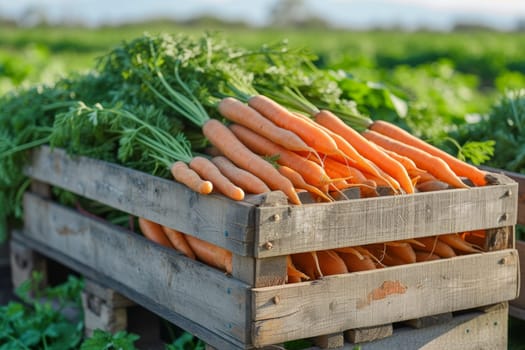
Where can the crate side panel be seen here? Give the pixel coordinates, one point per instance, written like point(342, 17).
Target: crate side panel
point(362, 299)
point(292, 229)
point(179, 284)
point(213, 218)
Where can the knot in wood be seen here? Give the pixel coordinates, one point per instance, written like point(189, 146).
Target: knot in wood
point(276, 299)
point(504, 261)
point(94, 304)
point(507, 193)
point(502, 217)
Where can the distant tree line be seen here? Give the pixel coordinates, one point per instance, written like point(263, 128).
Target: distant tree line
point(284, 14)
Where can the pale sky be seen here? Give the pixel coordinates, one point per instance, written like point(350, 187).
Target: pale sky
point(439, 14)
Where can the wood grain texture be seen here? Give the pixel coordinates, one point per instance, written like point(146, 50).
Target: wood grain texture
point(363, 299)
point(154, 275)
point(469, 331)
point(310, 227)
point(213, 218)
point(367, 334)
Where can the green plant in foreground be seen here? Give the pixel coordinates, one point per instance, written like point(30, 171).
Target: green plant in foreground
point(37, 324)
point(102, 340)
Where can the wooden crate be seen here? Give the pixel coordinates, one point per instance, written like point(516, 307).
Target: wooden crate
point(253, 308)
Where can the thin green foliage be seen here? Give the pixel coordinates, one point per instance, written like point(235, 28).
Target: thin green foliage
point(37, 323)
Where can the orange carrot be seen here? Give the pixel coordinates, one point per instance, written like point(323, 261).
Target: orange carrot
point(367, 149)
point(408, 163)
point(402, 250)
point(331, 263)
point(154, 232)
point(178, 241)
point(312, 135)
point(190, 178)
point(307, 263)
point(209, 171)
point(424, 177)
point(432, 185)
point(240, 177)
point(293, 274)
point(298, 181)
point(425, 256)
point(457, 243)
point(350, 154)
point(423, 160)
point(355, 261)
point(222, 138)
point(379, 250)
point(211, 254)
point(311, 172)
point(434, 246)
point(459, 167)
point(476, 237)
point(242, 114)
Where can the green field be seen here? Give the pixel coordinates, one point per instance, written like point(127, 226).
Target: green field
point(445, 75)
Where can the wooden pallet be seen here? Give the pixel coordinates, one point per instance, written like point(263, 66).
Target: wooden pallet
point(483, 328)
point(253, 307)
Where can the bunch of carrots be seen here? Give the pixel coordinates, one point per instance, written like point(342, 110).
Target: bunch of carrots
point(286, 143)
point(320, 154)
point(313, 265)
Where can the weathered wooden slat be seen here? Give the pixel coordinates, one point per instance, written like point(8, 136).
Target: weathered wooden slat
point(213, 218)
point(310, 227)
point(469, 331)
point(383, 296)
point(161, 279)
point(367, 334)
point(198, 330)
